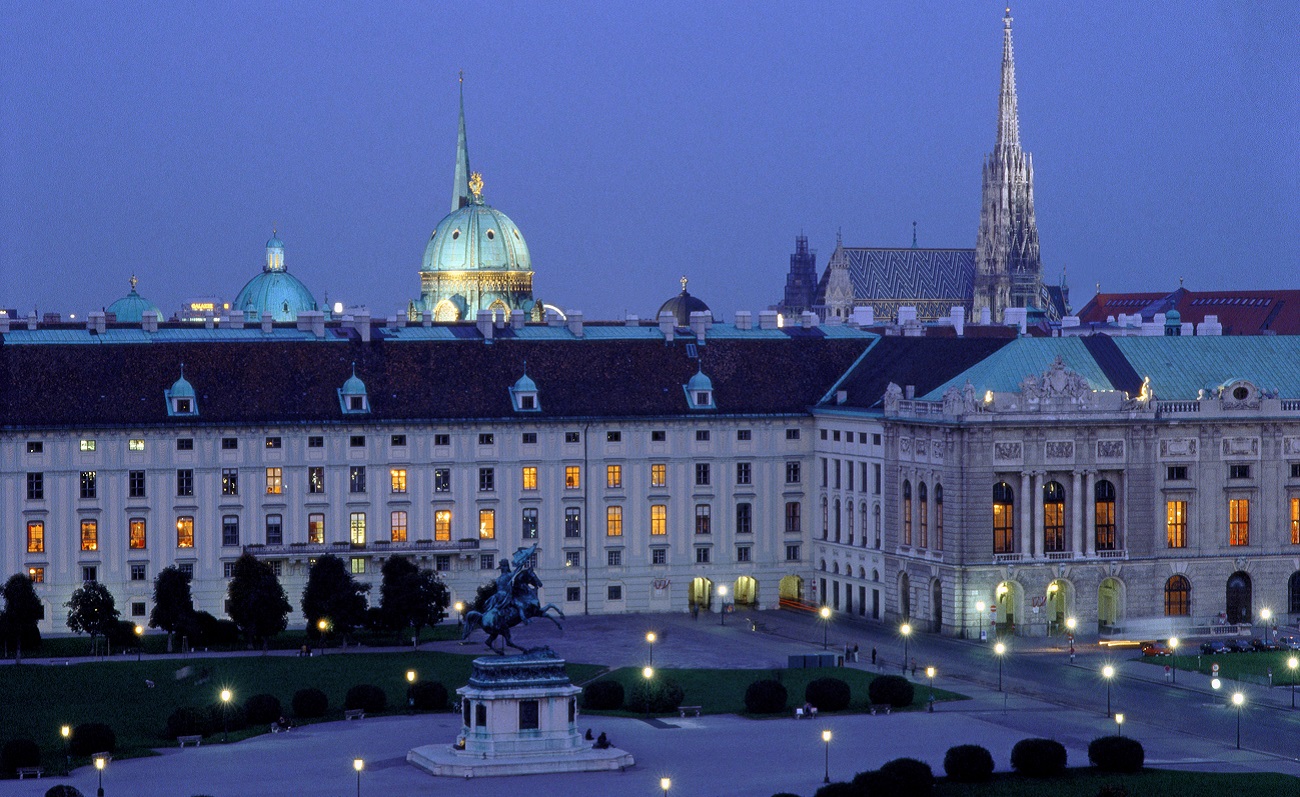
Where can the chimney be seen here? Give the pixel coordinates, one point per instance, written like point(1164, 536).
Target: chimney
point(318, 324)
point(303, 322)
point(841, 396)
point(208, 320)
point(808, 319)
point(554, 319)
point(744, 319)
point(149, 321)
point(910, 392)
point(95, 322)
point(236, 320)
point(631, 321)
point(667, 325)
point(958, 315)
point(266, 323)
point(426, 318)
point(906, 314)
point(1210, 326)
point(767, 319)
point(499, 320)
point(4, 324)
point(484, 322)
point(516, 319)
point(985, 318)
point(575, 323)
point(31, 320)
point(699, 324)
point(1069, 322)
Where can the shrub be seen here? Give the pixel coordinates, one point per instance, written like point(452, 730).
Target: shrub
point(429, 696)
point(227, 717)
point(121, 635)
point(602, 696)
point(875, 783)
point(1038, 758)
point(1116, 754)
point(310, 703)
point(189, 721)
point(263, 709)
point(911, 777)
point(893, 690)
point(63, 790)
point(366, 697)
point(19, 753)
point(92, 737)
point(827, 694)
point(837, 790)
point(661, 694)
point(765, 697)
point(968, 763)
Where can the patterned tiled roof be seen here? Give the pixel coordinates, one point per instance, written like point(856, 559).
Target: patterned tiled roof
point(910, 276)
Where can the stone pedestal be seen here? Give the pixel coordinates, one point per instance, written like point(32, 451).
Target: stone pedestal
point(519, 716)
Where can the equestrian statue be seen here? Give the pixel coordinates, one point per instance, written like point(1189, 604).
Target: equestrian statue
point(515, 601)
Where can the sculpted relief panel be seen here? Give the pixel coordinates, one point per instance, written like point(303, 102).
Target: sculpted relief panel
point(1291, 446)
point(1008, 452)
point(1060, 449)
point(1110, 449)
point(1240, 447)
point(1178, 448)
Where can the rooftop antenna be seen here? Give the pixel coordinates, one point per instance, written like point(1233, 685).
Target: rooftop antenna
point(913, 235)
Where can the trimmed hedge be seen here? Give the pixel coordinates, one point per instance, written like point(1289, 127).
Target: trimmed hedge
point(1038, 758)
point(912, 777)
point(893, 690)
point(874, 783)
point(663, 696)
point(1116, 754)
point(188, 721)
point(968, 763)
point(602, 696)
point(767, 696)
point(92, 737)
point(63, 790)
point(19, 753)
point(428, 696)
point(310, 703)
point(837, 790)
point(263, 709)
point(366, 697)
point(828, 694)
point(227, 717)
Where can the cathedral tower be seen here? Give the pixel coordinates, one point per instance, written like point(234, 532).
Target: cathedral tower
point(1008, 272)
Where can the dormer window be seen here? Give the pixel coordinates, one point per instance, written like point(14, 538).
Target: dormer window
point(353, 399)
point(181, 399)
point(523, 394)
point(699, 392)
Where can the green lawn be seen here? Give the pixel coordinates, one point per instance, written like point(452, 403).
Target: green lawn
point(1148, 783)
point(723, 691)
point(37, 699)
point(1251, 667)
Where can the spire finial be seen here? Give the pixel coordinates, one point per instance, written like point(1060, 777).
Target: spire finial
point(1008, 116)
point(913, 235)
point(354, 368)
point(839, 237)
point(1180, 282)
point(476, 185)
point(182, 370)
point(460, 196)
point(1098, 287)
point(683, 283)
point(133, 283)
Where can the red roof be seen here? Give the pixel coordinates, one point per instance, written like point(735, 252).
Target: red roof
point(1240, 312)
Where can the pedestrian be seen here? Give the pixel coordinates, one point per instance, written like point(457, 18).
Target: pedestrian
point(873, 655)
point(913, 666)
point(848, 653)
point(1072, 653)
point(855, 652)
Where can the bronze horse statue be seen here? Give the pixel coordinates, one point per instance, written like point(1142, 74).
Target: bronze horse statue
point(514, 602)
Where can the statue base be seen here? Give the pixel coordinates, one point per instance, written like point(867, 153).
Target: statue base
point(520, 717)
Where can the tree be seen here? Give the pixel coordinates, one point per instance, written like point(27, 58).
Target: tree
point(173, 606)
point(21, 614)
point(410, 597)
point(332, 594)
point(258, 604)
point(92, 610)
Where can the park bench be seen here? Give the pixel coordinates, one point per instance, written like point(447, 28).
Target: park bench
point(799, 712)
point(885, 707)
point(196, 740)
point(354, 714)
point(32, 772)
point(684, 710)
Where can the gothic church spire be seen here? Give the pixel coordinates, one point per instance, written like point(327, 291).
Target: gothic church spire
point(460, 195)
point(1008, 117)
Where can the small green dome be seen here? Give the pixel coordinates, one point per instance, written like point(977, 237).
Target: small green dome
point(275, 242)
point(182, 388)
point(354, 386)
point(1173, 317)
point(525, 385)
point(477, 237)
point(699, 382)
point(132, 307)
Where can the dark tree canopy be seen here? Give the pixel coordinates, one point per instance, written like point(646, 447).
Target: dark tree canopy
point(410, 597)
point(258, 604)
point(334, 595)
point(22, 611)
point(173, 606)
point(92, 610)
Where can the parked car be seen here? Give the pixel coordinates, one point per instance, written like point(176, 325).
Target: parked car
point(1260, 646)
point(1156, 649)
point(1288, 642)
point(1239, 646)
point(1213, 647)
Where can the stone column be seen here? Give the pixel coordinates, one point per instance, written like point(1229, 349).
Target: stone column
point(1090, 513)
point(1037, 534)
point(1026, 529)
point(1076, 512)
point(1121, 511)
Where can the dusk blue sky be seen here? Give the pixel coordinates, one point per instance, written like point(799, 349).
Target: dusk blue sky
point(633, 142)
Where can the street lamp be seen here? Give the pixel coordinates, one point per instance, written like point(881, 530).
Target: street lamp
point(979, 610)
point(1173, 656)
point(323, 625)
point(929, 673)
point(665, 784)
point(1001, 650)
point(460, 614)
point(139, 641)
point(358, 764)
point(1291, 663)
point(1108, 672)
point(826, 737)
point(1237, 699)
point(66, 732)
point(825, 613)
point(1119, 723)
point(226, 695)
point(722, 599)
point(650, 638)
point(1266, 614)
point(906, 630)
point(99, 768)
point(410, 689)
point(648, 673)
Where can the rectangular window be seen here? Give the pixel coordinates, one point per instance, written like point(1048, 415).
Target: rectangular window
point(87, 445)
point(89, 535)
point(1295, 470)
point(135, 484)
point(357, 528)
point(824, 468)
point(792, 553)
point(315, 441)
point(702, 556)
point(487, 524)
point(274, 481)
point(573, 594)
point(273, 442)
point(529, 477)
point(1239, 521)
point(744, 518)
point(824, 434)
point(791, 434)
point(397, 441)
point(703, 519)
point(316, 480)
point(528, 527)
point(572, 437)
point(139, 572)
point(35, 486)
point(1176, 473)
point(397, 526)
point(1176, 523)
point(187, 568)
point(229, 481)
point(529, 438)
point(184, 483)
point(185, 444)
point(442, 439)
point(35, 446)
point(89, 487)
point(277, 568)
point(613, 521)
point(229, 443)
point(744, 473)
point(274, 530)
point(486, 439)
point(614, 558)
point(573, 558)
point(35, 536)
point(837, 474)
point(1295, 521)
point(1238, 471)
point(185, 532)
point(658, 436)
point(137, 534)
point(135, 444)
point(442, 562)
point(89, 574)
point(793, 518)
point(613, 437)
point(702, 474)
point(792, 475)
point(572, 477)
point(572, 522)
point(658, 556)
point(442, 480)
point(875, 478)
point(358, 565)
point(442, 525)
point(357, 441)
point(397, 479)
point(835, 435)
point(316, 528)
point(357, 479)
point(701, 435)
point(658, 520)
point(230, 531)
point(744, 435)
point(658, 475)
point(487, 480)
point(613, 476)
point(1003, 526)
point(743, 553)
point(615, 592)
point(228, 571)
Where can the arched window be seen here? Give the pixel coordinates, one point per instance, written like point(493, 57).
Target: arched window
point(1293, 593)
point(875, 512)
point(823, 565)
point(907, 512)
point(938, 517)
point(1004, 518)
point(848, 520)
point(1053, 517)
point(837, 520)
point(826, 521)
point(835, 568)
point(924, 510)
point(1178, 597)
point(862, 514)
point(1105, 524)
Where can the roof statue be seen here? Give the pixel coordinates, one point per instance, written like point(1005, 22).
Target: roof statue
point(515, 601)
point(131, 308)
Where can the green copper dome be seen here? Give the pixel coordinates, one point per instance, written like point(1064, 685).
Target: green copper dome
point(275, 290)
point(132, 307)
point(477, 237)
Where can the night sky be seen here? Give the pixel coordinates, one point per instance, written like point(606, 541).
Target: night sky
point(633, 142)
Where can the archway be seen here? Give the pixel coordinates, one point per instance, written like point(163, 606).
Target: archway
point(1239, 598)
point(790, 588)
point(936, 605)
point(904, 597)
point(1009, 601)
point(700, 595)
point(1060, 603)
point(445, 310)
point(1110, 603)
point(746, 591)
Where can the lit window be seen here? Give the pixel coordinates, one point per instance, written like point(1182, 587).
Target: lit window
point(1178, 596)
point(1295, 521)
point(89, 484)
point(397, 478)
point(573, 558)
point(658, 520)
point(613, 476)
point(530, 478)
point(703, 519)
point(316, 480)
point(87, 445)
point(229, 481)
point(442, 525)
point(572, 477)
point(397, 526)
point(658, 475)
point(487, 524)
point(1239, 521)
point(1054, 518)
point(357, 528)
point(89, 535)
point(137, 538)
point(1003, 518)
point(185, 532)
point(135, 445)
point(357, 479)
point(316, 528)
point(36, 574)
point(274, 481)
point(273, 442)
point(35, 536)
point(614, 521)
point(358, 566)
point(528, 529)
point(907, 512)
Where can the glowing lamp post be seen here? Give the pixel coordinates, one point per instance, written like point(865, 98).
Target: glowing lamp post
point(650, 638)
point(648, 673)
point(100, 761)
point(979, 610)
point(1237, 700)
point(906, 630)
point(460, 614)
point(410, 689)
point(226, 696)
point(1173, 656)
point(826, 737)
point(323, 625)
point(1266, 614)
point(825, 613)
point(139, 641)
point(1108, 672)
point(1119, 723)
point(358, 764)
point(929, 673)
point(665, 784)
point(1291, 664)
point(66, 732)
point(1000, 650)
point(722, 608)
